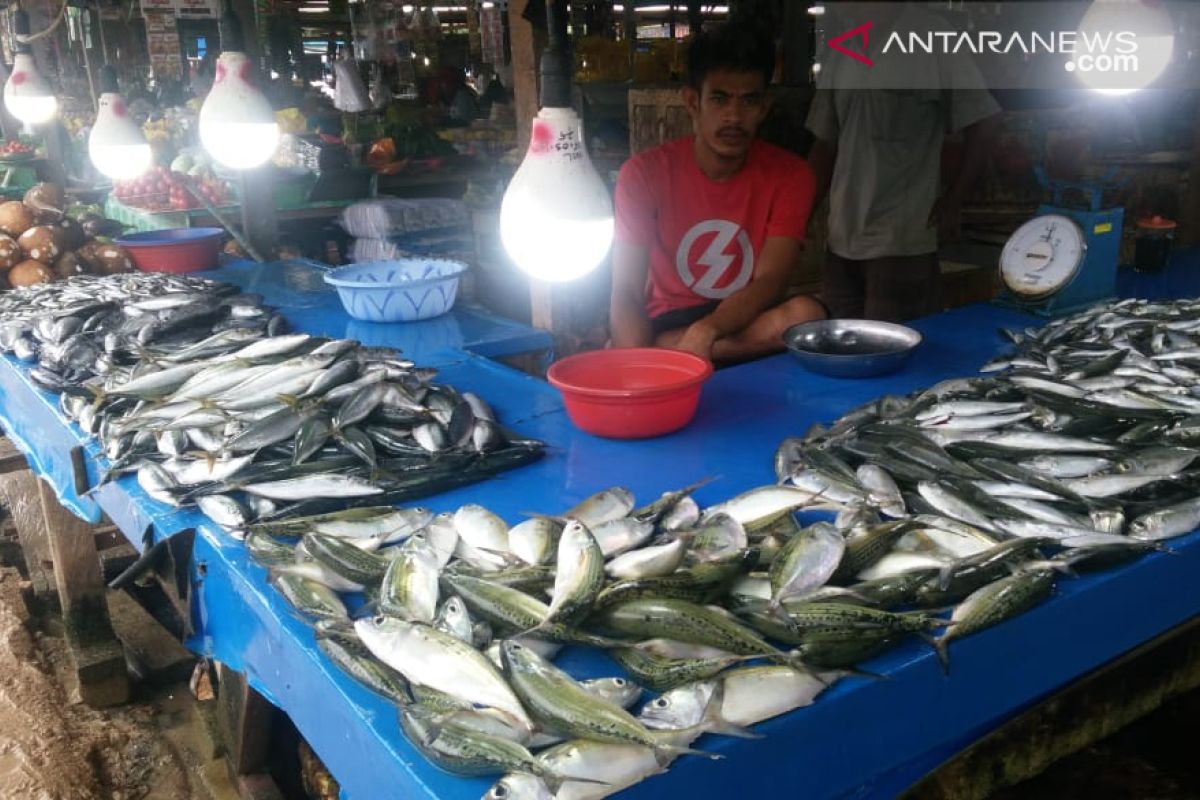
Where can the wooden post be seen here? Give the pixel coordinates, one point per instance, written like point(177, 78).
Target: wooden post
point(245, 721)
point(527, 46)
point(1190, 219)
point(260, 222)
point(97, 654)
point(21, 495)
point(796, 45)
point(474, 38)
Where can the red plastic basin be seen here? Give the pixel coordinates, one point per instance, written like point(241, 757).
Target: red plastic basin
point(630, 393)
point(174, 249)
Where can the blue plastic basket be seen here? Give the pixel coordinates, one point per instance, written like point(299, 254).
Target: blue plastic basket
point(404, 290)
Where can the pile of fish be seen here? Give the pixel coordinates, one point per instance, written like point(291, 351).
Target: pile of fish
point(1075, 452)
point(197, 388)
point(457, 617)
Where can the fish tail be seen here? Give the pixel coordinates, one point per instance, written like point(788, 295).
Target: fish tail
point(941, 648)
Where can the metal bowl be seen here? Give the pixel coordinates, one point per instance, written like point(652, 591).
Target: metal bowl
point(851, 348)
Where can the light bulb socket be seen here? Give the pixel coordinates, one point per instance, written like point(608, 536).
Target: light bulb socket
point(20, 27)
point(107, 80)
point(230, 28)
point(555, 67)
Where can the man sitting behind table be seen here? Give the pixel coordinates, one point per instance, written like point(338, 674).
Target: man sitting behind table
point(709, 227)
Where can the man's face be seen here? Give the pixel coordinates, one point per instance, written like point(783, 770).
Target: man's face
point(727, 110)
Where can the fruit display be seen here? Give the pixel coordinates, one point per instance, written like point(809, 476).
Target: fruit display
point(41, 240)
point(16, 149)
point(163, 189)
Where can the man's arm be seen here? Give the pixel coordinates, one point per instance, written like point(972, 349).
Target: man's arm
point(628, 322)
point(977, 143)
point(765, 290)
point(821, 158)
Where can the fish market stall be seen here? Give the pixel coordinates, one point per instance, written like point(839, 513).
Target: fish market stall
point(862, 736)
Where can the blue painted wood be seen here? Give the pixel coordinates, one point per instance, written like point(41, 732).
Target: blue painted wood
point(862, 739)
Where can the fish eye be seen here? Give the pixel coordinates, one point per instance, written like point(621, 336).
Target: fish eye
point(619, 681)
point(380, 619)
point(661, 702)
point(499, 792)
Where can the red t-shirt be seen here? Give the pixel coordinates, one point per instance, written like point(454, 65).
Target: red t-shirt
point(704, 236)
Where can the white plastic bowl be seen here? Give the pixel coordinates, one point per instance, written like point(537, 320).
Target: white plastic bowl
point(405, 290)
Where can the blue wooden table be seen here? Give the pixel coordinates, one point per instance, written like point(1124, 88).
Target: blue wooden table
point(863, 738)
point(313, 307)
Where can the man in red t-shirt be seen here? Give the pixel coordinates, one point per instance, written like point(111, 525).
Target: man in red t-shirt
point(708, 228)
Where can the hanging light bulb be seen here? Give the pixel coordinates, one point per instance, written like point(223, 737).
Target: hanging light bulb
point(1124, 45)
point(116, 145)
point(27, 96)
point(556, 219)
point(237, 124)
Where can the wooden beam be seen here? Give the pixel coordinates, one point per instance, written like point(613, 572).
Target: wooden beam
point(96, 652)
point(527, 44)
point(1087, 711)
point(1190, 219)
point(20, 492)
point(11, 459)
point(246, 721)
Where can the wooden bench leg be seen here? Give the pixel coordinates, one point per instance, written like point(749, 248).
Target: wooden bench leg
point(20, 490)
point(97, 654)
point(246, 720)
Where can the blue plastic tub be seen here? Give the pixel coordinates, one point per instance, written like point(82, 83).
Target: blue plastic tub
point(404, 290)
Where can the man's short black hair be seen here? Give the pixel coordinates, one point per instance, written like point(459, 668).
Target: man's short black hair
point(733, 46)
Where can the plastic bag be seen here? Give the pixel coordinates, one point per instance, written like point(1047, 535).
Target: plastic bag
point(387, 217)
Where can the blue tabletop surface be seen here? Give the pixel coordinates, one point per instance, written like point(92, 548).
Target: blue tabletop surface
point(863, 738)
point(313, 307)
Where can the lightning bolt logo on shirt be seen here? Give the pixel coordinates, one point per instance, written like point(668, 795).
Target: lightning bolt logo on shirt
point(716, 272)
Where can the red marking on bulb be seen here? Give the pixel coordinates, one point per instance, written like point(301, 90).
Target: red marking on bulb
point(541, 138)
point(219, 76)
point(118, 108)
point(19, 77)
point(244, 71)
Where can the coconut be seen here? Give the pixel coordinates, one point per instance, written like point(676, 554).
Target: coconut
point(69, 264)
point(10, 252)
point(15, 218)
point(110, 259)
point(71, 235)
point(46, 202)
point(30, 272)
point(41, 243)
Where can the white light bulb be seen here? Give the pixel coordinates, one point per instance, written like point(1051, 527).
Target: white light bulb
point(1123, 46)
point(27, 96)
point(556, 220)
point(237, 125)
point(116, 144)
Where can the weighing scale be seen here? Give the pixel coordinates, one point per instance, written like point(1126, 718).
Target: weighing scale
point(1065, 258)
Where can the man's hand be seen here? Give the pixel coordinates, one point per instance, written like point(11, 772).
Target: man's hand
point(699, 339)
point(946, 216)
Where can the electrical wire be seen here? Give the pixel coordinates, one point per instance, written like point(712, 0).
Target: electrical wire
point(33, 37)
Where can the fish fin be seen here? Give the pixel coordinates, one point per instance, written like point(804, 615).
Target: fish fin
point(554, 781)
point(509, 559)
point(944, 575)
point(367, 609)
point(861, 673)
point(290, 400)
point(714, 722)
point(795, 660)
point(941, 648)
point(664, 754)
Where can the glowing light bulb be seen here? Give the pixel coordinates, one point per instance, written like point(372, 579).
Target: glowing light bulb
point(1123, 46)
point(237, 125)
point(556, 220)
point(116, 144)
point(27, 96)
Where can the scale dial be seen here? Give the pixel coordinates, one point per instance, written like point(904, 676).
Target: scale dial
point(1042, 256)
